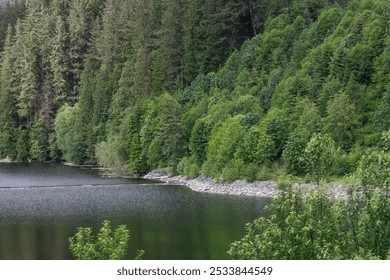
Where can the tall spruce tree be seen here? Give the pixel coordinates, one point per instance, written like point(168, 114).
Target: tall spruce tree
point(80, 41)
point(169, 56)
point(7, 100)
point(59, 62)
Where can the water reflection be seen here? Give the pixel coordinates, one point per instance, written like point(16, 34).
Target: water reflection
point(168, 222)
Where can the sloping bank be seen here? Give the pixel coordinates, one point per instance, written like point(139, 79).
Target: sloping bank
point(239, 187)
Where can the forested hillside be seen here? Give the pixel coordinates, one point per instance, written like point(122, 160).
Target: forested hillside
point(226, 89)
point(10, 11)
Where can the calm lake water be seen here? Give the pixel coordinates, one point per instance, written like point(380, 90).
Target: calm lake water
point(42, 205)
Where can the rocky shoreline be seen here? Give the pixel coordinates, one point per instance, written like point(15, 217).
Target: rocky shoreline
point(239, 187)
point(203, 184)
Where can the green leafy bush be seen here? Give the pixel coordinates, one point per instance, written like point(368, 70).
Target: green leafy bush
point(298, 226)
point(108, 155)
point(234, 170)
point(188, 167)
point(316, 225)
point(386, 141)
point(107, 245)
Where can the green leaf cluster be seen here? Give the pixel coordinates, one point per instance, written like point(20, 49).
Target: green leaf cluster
point(107, 245)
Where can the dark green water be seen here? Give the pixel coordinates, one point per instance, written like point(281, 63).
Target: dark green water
point(41, 205)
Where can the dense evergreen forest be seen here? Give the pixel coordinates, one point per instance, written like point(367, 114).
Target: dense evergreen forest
point(226, 89)
point(254, 89)
point(9, 13)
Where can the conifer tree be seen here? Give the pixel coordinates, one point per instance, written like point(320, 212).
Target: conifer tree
point(38, 140)
point(84, 126)
point(60, 64)
point(36, 95)
point(192, 40)
point(7, 99)
point(10, 12)
point(169, 56)
point(147, 20)
point(80, 40)
point(27, 71)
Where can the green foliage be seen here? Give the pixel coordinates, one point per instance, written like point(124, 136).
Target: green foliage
point(386, 141)
point(234, 170)
point(372, 191)
point(384, 112)
point(267, 92)
point(22, 144)
point(107, 245)
point(374, 170)
point(171, 133)
point(292, 154)
point(319, 156)
point(266, 150)
point(309, 120)
point(87, 77)
point(299, 226)
point(346, 163)
point(247, 151)
point(275, 125)
point(341, 121)
point(67, 128)
point(265, 173)
point(224, 142)
point(168, 69)
point(315, 225)
point(199, 139)
point(326, 23)
point(107, 154)
point(38, 141)
point(59, 61)
point(10, 11)
point(188, 167)
point(162, 133)
point(7, 99)
point(130, 143)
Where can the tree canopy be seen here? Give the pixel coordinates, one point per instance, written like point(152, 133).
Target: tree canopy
point(222, 88)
